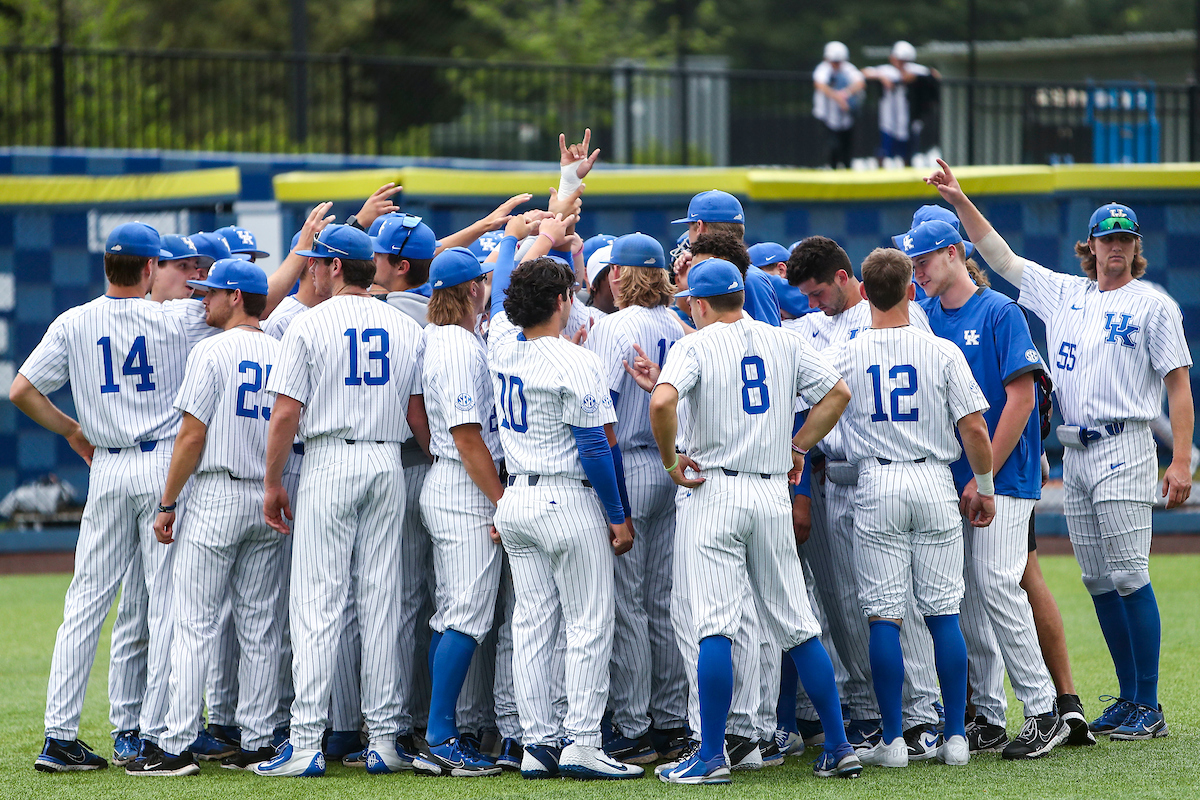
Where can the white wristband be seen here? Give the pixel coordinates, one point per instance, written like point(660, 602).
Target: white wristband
point(984, 483)
point(570, 180)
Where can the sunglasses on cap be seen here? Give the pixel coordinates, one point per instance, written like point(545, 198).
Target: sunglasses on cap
point(408, 222)
point(1110, 224)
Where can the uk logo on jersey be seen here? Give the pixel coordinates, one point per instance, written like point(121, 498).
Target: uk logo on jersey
point(970, 338)
point(1120, 330)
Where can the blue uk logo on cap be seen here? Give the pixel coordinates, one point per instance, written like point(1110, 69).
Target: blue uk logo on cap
point(713, 277)
point(135, 239)
point(181, 247)
point(765, 254)
point(928, 237)
point(235, 273)
point(455, 265)
point(485, 245)
point(714, 206)
point(241, 240)
point(637, 250)
point(340, 241)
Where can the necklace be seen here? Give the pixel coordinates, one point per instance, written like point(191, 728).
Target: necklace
point(248, 325)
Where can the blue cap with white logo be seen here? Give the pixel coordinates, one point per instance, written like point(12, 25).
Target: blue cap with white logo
point(637, 250)
point(486, 244)
point(405, 235)
point(241, 240)
point(595, 243)
point(181, 247)
point(765, 254)
point(235, 273)
point(135, 239)
point(714, 206)
point(373, 231)
point(455, 265)
point(340, 241)
point(212, 245)
point(713, 277)
point(932, 212)
point(927, 237)
point(1113, 218)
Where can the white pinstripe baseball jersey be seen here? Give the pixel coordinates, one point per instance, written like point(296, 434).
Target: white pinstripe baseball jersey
point(352, 362)
point(287, 310)
point(541, 387)
point(652, 329)
point(921, 385)
point(1108, 350)
point(191, 311)
point(125, 359)
point(458, 389)
point(224, 387)
point(727, 371)
point(581, 315)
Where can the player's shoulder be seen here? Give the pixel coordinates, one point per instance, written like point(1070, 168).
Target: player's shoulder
point(81, 312)
point(1153, 294)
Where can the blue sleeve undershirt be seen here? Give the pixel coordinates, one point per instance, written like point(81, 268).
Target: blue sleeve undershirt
point(502, 273)
point(597, 459)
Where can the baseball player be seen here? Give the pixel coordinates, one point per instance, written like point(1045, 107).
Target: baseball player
point(351, 365)
point(993, 335)
point(740, 377)
point(822, 270)
point(1114, 344)
point(124, 357)
point(648, 685)
point(564, 483)
point(910, 390)
point(226, 548)
point(460, 495)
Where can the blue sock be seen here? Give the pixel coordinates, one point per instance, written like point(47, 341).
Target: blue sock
point(434, 639)
point(454, 653)
point(785, 709)
point(887, 674)
point(1145, 633)
point(816, 672)
point(714, 678)
point(950, 658)
point(1111, 611)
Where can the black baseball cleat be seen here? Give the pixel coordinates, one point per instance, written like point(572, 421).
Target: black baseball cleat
point(63, 755)
point(742, 753)
point(984, 737)
point(1070, 711)
point(1039, 735)
point(163, 764)
point(669, 742)
point(245, 759)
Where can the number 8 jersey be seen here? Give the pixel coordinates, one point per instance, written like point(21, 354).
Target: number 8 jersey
point(352, 362)
point(124, 358)
point(741, 380)
point(225, 388)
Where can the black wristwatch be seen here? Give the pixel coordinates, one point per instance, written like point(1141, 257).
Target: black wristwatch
point(167, 509)
point(352, 221)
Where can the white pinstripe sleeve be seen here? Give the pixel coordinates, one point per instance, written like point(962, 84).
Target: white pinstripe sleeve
point(815, 376)
point(459, 373)
point(201, 387)
point(292, 377)
point(605, 342)
point(963, 394)
point(48, 366)
point(1043, 290)
point(1167, 341)
point(586, 401)
point(682, 368)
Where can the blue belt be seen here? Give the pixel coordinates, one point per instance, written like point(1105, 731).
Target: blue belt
point(146, 447)
point(298, 448)
point(1087, 435)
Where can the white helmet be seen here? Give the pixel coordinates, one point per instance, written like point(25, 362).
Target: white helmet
point(904, 51)
point(597, 264)
point(836, 51)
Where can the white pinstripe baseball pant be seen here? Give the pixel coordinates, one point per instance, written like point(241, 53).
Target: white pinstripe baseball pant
point(415, 605)
point(562, 567)
point(128, 646)
point(227, 555)
point(283, 713)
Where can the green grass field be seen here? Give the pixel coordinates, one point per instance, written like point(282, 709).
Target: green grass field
point(1161, 768)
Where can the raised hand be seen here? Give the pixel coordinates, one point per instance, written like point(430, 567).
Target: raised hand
point(378, 204)
point(947, 185)
point(316, 222)
point(577, 154)
point(556, 228)
point(643, 371)
point(566, 204)
point(503, 213)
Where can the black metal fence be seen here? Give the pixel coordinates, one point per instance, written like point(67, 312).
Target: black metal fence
point(183, 100)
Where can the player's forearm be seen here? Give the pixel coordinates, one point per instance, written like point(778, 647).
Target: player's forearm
point(285, 421)
point(505, 255)
point(1019, 403)
point(664, 423)
point(464, 237)
point(418, 420)
point(189, 444)
point(281, 281)
point(1182, 414)
point(541, 246)
point(976, 444)
point(823, 416)
point(38, 408)
point(477, 460)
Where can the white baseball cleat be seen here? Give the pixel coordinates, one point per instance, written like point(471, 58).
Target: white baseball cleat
point(581, 761)
point(292, 763)
point(886, 754)
point(954, 751)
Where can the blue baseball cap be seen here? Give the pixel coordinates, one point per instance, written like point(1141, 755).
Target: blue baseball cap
point(455, 265)
point(713, 277)
point(405, 235)
point(595, 243)
point(714, 206)
point(791, 299)
point(767, 253)
point(235, 273)
point(1113, 218)
point(484, 245)
point(340, 241)
point(181, 247)
point(637, 250)
point(378, 223)
point(295, 241)
point(241, 240)
point(212, 245)
point(135, 239)
point(932, 212)
point(927, 237)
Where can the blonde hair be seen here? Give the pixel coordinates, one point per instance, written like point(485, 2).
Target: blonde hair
point(448, 306)
point(977, 274)
point(1087, 259)
point(648, 287)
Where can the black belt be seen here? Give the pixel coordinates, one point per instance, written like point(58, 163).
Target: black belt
point(356, 441)
point(298, 448)
point(883, 462)
point(532, 480)
point(232, 477)
point(732, 472)
point(146, 447)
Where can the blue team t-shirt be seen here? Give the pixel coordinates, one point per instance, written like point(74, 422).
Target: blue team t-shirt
point(993, 334)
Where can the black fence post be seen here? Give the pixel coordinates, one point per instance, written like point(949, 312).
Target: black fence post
point(347, 88)
point(629, 151)
point(58, 93)
point(1193, 128)
point(299, 98)
point(684, 126)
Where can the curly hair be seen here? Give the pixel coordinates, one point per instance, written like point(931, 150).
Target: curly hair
point(817, 258)
point(723, 244)
point(1087, 259)
point(648, 287)
point(977, 274)
point(536, 286)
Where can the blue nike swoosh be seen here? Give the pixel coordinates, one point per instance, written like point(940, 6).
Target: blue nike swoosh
point(1076, 308)
point(1114, 466)
point(815, 335)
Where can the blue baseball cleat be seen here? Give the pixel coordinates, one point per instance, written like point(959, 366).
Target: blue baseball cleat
point(695, 770)
point(842, 762)
point(1144, 723)
point(540, 761)
point(62, 755)
point(126, 747)
point(209, 748)
point(292, 763)
point(1114, 716)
